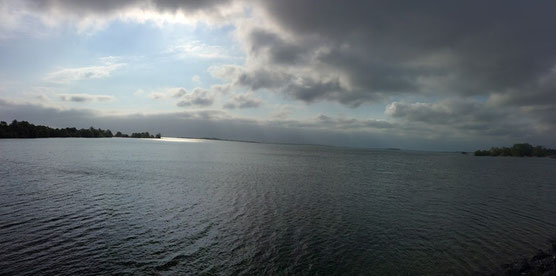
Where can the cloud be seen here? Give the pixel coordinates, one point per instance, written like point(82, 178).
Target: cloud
point(361, 52)
point(243, 101)
point(107, 6)
point(167, 93)
point(350, 123)
point(323, 129)
point(198, 97)
point(356, 53)
point(373, 51)
point(540, 93)
point(87, 16)
point(79, 98)
point(464, 117)
point(68, 75)
point(325, 122)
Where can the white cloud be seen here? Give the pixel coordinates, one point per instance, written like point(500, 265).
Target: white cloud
point(91, 16)
point(68, 75)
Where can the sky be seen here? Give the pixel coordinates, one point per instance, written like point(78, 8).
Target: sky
point(424, 75)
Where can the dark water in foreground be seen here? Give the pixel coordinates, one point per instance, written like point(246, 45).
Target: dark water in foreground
point(74, 206)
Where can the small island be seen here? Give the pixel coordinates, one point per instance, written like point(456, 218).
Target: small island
point(24, 129)
point(518, 150)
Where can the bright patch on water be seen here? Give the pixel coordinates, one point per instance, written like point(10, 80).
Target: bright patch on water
point(180, 140)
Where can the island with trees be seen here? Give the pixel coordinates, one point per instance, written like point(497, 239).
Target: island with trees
point(24, 129)
point(518, 150)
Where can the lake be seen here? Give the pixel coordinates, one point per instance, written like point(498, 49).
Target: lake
point(144, 206)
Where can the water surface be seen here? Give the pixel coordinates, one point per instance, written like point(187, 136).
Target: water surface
point(90, 206)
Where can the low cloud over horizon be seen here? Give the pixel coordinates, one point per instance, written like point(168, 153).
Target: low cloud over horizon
point(322, 129)
point(420, 75)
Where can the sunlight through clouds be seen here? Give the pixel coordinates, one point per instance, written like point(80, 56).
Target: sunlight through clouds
point(195, 48)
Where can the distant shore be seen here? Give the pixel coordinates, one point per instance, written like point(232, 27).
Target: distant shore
point(23, 129)
point(518, 150)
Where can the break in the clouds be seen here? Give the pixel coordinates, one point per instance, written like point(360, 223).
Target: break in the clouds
point(473, 70)
point(187, 49)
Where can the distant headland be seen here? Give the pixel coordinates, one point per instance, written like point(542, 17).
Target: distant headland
point(518, 150)
point(24, 129)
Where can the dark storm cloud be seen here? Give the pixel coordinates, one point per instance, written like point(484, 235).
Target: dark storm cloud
point(310, 90)
point(542, 93)
point(291, 84)
point(464, 116)
point(262, 78)
point(278, 50)
point(384, 48)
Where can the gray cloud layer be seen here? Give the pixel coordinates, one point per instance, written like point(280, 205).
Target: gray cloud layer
point(429, 132)
point(456, 117)
point(243, 101)
point(381, 48)
point(372, 51)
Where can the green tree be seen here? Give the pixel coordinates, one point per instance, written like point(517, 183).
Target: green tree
point(523, 149)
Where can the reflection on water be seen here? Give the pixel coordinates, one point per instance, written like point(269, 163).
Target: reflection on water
point(182, 140)
point(74, 206)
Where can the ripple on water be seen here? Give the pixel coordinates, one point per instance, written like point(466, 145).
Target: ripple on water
point(148, 207)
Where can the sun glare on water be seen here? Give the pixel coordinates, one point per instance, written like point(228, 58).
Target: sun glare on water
point(181, 140)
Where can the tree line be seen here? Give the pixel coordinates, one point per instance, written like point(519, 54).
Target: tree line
point(518, 150)
point(24, 129)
